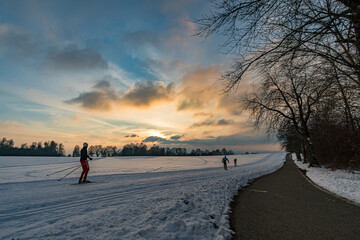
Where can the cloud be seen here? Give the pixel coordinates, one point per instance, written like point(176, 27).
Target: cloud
point(102, 84)
point(95, 100)
point(180, 36)
point(192, 103)
point(167, 69)
point(198, 89)
point(210, 122)
point(230, 103)
point(142, 38)
point(176, 137)
point(216, 142)
point(75, 118)
point(229, 140)
point(145, 94)
point(202, 114)
point(203, 123)
point(17, 43)
point(223, 122)
point(173, 139)
point(168, 54)
point(72, 58)
point(131, 136)
point(11, 124)
point(101, 98)
point(155, 139)
point(175, 6)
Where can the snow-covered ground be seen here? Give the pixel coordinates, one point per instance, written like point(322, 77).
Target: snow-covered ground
point(340, 182)
point(134, 197)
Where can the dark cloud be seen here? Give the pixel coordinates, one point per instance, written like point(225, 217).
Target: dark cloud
point(95, 100)
point(145, 94)
point(223, 122)
point(176, 137)
point(210, 122)
point(102, 98)
point(172, 140)
point(102, 84)
point(155, 139)
point(218, 142)
point(192, 103)
point(72, 58)
point(231, 140)
point(207, 122)
point(131, 136)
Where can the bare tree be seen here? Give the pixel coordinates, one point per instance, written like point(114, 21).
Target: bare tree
point(289, 140)
point(91, 151)
point(98, 150)
point(76, 151)
point(61, 149)
point(288, 97)
point(262, 32)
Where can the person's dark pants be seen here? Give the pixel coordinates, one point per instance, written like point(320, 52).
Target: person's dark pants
point(86, 168)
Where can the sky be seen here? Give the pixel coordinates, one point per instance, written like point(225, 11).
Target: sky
point(118, 72)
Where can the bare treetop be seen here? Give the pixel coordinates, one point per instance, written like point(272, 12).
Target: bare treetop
point(262, 32)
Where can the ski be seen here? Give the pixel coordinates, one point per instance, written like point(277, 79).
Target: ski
point(87, 183)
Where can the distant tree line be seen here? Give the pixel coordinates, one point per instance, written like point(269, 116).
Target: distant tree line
point(52, 148)
point(140, 149)
point(48, 148)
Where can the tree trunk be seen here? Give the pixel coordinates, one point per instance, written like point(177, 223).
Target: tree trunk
point(298, 157)
point(304, 153)
point(311, 153)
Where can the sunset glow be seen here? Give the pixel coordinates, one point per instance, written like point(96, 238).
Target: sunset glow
point(117, 72)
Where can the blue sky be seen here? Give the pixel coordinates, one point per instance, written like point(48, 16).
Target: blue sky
point(101, 71)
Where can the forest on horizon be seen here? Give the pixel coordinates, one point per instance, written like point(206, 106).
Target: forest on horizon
point(52, 148)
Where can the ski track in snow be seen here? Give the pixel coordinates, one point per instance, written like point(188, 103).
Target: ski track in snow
point(161, 197)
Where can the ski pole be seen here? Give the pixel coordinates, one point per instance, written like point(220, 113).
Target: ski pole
point(61, 170)
point(69, 173)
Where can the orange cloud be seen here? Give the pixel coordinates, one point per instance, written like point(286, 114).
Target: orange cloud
point(230, 103)
point(145, 94)
point(10, 124)
point(141, 95)
point(202, 114)
point(198, 89)
point(210, 122)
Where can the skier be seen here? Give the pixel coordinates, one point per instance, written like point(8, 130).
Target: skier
point(224, 162)
point(235, 161)
point(84, 163)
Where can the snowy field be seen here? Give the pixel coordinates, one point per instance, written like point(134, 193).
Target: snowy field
point(340, 182)
point(135, 197)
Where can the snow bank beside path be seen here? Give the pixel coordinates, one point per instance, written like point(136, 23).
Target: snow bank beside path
point(340, 182)
point(182, 204)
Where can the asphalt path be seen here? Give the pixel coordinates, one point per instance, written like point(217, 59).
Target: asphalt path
point(286, 205)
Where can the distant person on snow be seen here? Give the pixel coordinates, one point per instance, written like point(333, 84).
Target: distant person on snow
point(235, 162)
point(224, 160)
point(84, 163)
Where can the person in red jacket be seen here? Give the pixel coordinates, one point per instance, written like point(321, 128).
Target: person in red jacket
point(84, 163)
